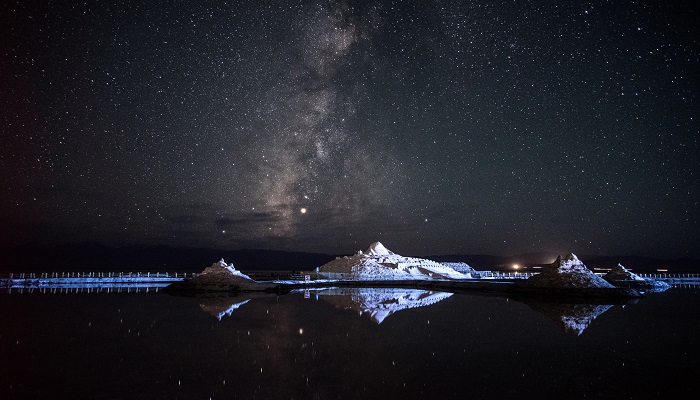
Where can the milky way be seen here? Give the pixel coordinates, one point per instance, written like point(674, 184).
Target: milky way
point(442, 127)
point(309, 156)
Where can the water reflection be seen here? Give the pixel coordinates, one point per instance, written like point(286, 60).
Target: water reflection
point(573, 317)
point(380, 303)
point(220, 306)
point(154, 345)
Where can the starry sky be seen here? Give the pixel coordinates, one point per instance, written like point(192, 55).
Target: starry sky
point(437, 127)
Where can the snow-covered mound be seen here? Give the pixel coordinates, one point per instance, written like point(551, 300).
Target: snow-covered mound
point(220, 273)
point(381, 303)
point(621, 273)
point(379, 263)
point(565, 273)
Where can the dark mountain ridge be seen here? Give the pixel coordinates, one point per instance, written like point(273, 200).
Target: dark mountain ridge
point(99, 257)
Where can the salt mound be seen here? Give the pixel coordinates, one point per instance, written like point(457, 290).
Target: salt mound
point(568, 272)
point(379, 263)
point(221, 274)
point(622, 277)
point(621, 273)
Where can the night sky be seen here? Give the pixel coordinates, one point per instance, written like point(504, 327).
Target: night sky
point(471, 127)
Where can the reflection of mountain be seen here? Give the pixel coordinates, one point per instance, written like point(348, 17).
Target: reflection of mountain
point(220, 306)
point(573, 318)
point(380, 303)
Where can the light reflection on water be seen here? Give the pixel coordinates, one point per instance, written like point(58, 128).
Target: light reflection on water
point(344, 343)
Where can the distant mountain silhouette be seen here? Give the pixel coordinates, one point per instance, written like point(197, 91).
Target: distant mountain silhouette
point(98, 257)
point(489, 262)
point(643, 264)
point(530, 260)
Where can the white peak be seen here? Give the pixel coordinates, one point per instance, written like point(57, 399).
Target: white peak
point(378, 249)
point(570, 261)
point(222, 264)
point(571, 257)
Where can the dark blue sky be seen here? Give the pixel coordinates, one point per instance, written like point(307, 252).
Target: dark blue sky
point(496, 127)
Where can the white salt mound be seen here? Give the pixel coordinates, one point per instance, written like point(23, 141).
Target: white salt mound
point(379, 263)
point(567, 272)
point(219, 273)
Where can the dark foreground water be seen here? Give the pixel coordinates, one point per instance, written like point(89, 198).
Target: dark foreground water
point(405, 345)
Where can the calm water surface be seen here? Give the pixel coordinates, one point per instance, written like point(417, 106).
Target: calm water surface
point(345, 344)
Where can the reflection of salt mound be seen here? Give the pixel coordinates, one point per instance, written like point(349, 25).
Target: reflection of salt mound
point(657, 286)
point(573, 318)
point(568, 272)
point(621, 273)
point(380, 303)
point(221, 274)
point(220, 306)
point(379, 263)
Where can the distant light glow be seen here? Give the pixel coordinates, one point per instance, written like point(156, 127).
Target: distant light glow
point(516, 266)
point(303, 210)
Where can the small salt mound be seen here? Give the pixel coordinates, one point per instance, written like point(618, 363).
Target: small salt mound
point(621, 273)
point(567, 272)
point(220, 273)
